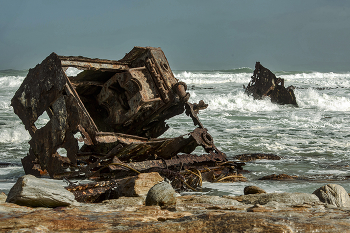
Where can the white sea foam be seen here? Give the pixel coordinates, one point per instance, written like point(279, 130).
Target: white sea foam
point(16, 134)
point(72, 71)
point(269, 186)
point(311, 98)
point(308, 138)
point(5, 105)
point(11, 81)
point(300, 118)
point(10, 169)
point(318, 79)
point(6, 186)
point(42, 120)
point(235, 101)
point(212, 78)
point(333, 172)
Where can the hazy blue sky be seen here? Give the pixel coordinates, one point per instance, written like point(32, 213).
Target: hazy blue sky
point(282, 35)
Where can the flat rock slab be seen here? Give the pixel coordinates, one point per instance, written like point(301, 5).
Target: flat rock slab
point(190, 214)
point(34, 192)
point(283, 198)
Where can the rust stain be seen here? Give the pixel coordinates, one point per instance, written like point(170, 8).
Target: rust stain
point(119, 108)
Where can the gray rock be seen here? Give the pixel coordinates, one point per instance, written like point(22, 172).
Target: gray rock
point(161, 194)
point(128, 201)
point(333, 194)
point(253, 190)
point(284, 198)
point(213, 200)
point(35, 192)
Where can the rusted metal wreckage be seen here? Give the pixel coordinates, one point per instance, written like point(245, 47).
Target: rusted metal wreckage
point(264, 83)
point(118, 110)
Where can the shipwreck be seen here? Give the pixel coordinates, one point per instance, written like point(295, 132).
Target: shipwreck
point(117, 109)
point(264, 83)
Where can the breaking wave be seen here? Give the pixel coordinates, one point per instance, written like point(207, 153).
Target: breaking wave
point(214, 77)
point(311, 98)
point(297, 79)
point(11, 81)
point(317, 79)
point(16, 134)
point(235, 101)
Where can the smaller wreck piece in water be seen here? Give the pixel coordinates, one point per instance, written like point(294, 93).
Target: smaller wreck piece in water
point(265, 83)
point(117, 110)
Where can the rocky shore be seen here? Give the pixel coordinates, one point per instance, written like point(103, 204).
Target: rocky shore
point(327, 210)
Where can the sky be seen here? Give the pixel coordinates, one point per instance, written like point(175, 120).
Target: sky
point(293, 35)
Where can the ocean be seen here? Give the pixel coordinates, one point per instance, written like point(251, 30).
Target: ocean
point(312, 139)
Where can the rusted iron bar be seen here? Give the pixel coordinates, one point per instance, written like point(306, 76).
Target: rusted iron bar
point(91, 64)
point(190, 177)
point(118, 108)
point(95, 191)
point(120, 169)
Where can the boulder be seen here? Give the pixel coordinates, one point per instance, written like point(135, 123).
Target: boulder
point(139, 185)
point(284, 198)
point(333, 194)
point(256, 156)
point(162, 194)
point(35, 192)
point(279, 177)
point(253, 190)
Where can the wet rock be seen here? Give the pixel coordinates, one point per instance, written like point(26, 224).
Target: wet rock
point(213, 200)
point(139, 185)
point(128, 216)
point(258, 208)
point(253, 190)
point(162, 194)
point(278, 177)
point(284, 198)
point(128, 201)
point(333, 194)
point(2, 197)
point(6, 208)
point(35, 192)
point(324, 177)
point(251, 157)
point(264, 83)
point(155, 219)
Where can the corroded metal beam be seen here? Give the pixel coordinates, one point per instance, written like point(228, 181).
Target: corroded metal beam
point(264, 83)
point(118, 108)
